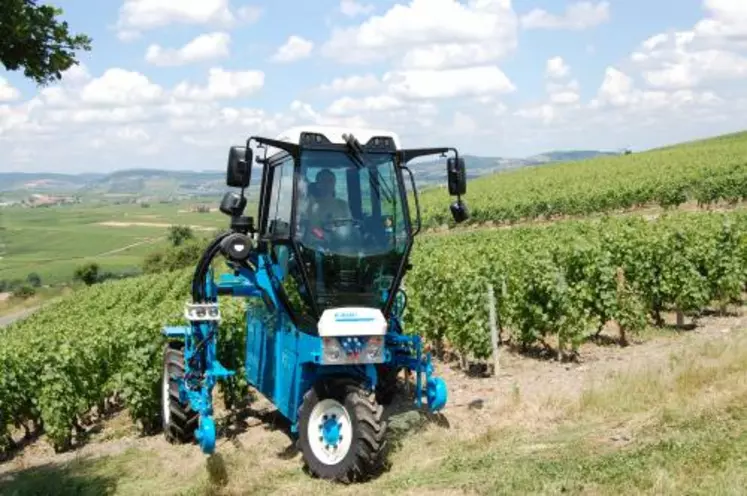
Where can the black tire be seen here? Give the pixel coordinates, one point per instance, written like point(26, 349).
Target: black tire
point(179, 421)
point(366, 455)
point(387, 384)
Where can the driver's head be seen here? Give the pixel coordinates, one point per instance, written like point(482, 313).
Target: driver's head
point(325, 183)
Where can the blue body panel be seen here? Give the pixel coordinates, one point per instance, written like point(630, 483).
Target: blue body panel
point(281, 361)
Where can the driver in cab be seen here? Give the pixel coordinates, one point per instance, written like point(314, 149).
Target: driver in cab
point(326, 208)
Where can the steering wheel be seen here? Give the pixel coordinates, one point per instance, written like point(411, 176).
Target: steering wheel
point(332, 227)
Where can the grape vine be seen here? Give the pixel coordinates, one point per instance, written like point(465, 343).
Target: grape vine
point(103, 345)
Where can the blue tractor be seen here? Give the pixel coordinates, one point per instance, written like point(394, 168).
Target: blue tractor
point(321, 271)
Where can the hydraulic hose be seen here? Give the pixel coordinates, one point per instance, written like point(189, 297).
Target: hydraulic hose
point(200, 274)
point(198, 286)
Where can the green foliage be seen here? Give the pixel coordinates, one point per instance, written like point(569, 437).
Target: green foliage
point(33, 39)
point(178, 235)
point(63, 361)
point(24, 291)
point(175, 257)
point(706, 172)
point(558, 282)
point(569, 279)
point(34, 280)
point(88, 273)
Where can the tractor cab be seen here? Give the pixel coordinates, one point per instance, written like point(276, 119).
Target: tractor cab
point(335, 219)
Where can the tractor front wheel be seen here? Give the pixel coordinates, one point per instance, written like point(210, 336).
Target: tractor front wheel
point(387, 385)
point(342, 433)
point(179, 420)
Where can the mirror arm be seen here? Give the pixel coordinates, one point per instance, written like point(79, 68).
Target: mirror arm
point(291, 148)
point(409, 154)
point(417, 200)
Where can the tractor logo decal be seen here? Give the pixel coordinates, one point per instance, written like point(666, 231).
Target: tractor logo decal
point(351, 317)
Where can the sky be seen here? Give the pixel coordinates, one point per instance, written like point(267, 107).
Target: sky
point(173, 85)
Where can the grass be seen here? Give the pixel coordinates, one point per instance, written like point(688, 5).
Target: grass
point(675, 427)
point(53, 241)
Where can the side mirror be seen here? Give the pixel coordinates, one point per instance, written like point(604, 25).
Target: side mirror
point(459, 211)
point(457, 176)
point(239, 170)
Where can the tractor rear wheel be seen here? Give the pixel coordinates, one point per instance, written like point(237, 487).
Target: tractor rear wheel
point(179, 420)
point(342, 433)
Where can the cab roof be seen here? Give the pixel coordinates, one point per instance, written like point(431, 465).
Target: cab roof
point(334, 133)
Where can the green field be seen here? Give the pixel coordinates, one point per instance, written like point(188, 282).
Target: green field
point(53, 241)
point(707, 172)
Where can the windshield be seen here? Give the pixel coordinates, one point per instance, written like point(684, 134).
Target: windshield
point(351, 227)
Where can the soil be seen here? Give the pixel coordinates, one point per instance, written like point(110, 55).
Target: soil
point(526, 392)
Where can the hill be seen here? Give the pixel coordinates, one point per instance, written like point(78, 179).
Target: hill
point(167, 183)
point(707, 172)
point(152, 183)
point(432, 172)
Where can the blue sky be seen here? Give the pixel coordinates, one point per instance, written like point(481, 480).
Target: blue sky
point(493, 77)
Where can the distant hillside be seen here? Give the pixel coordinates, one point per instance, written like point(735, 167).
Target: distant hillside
point(43, 182)
point(131, 182)
point(434, 171)
point(165, 183)
point(155, 182)
point(707, 172)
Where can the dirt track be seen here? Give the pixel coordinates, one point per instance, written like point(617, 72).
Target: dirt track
point(9, 319)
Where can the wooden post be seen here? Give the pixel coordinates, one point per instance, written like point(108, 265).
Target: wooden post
point(493, 329)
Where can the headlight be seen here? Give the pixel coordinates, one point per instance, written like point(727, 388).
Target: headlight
point(332, 351)
point(202, 311)
point(353, 349)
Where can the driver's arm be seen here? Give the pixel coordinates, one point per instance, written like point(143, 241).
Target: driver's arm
point(342, 210)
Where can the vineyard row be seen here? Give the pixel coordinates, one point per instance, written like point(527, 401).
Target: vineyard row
point(567, 280)
point(75, 356)
point(709, 173)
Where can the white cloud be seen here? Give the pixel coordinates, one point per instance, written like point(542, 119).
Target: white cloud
point(76, 74)
point(708, 55)
point(577, 16)
point(204, 47)
point(564, 97)
point(687, 70)
point(348, 106)
point(351, 8)
point(7, 92)
point(121, 87)
point(136, 16)
point(557, 68)
point(428, 84)
point(222, 84)
point(355, 83)
point(463, 124)
point(295, 48)
point(430, 34)
point(616, 88)
point(249, 13)
point(440, 77)
point(544, 113)
point(619, 90)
